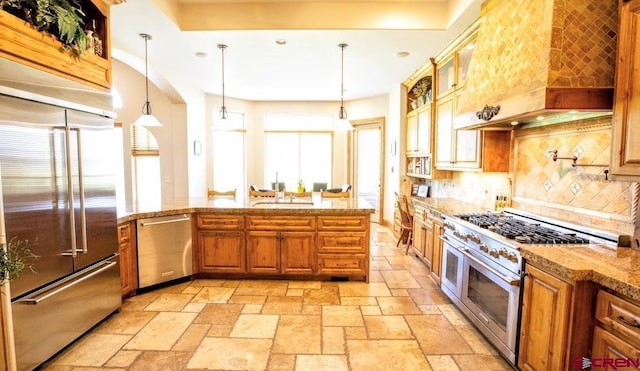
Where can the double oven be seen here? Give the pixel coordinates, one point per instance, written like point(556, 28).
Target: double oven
point(482, 266)
point(488, 294)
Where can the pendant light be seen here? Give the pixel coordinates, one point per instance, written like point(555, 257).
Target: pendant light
point(146, 119)
point(223, 110)
point(342, 123)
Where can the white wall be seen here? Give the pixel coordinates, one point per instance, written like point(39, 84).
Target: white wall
point(171, 137)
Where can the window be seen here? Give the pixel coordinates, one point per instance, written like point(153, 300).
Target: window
point(298, 147)
point(145, 157)
point(228, 153)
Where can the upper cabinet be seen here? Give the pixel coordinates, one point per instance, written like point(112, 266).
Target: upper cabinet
point(625, 148)
point(21, 42)
point(463, 149)
point(420, 127)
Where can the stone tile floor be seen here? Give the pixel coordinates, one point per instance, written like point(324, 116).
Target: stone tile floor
point(398, 321)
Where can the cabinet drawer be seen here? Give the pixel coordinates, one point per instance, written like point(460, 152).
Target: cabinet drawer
point(622, 316)
point(220, 222)
point(342, 264)
point(124, 233)
point(343, 223)
point(279, 223)
point(343, 242)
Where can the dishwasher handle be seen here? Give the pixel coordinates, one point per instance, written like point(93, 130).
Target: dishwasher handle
point(176, 220)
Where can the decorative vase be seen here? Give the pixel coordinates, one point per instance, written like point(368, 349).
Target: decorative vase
point(420, 100)
point(414, 104)
point(300, 189)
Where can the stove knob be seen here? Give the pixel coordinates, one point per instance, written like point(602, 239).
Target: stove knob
point(483, 247)
point(474, 238)
point(503, 252)
point(494, 253)
point(512, 257)
point(449, 225)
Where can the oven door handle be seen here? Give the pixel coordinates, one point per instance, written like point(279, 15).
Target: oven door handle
point(509, 280)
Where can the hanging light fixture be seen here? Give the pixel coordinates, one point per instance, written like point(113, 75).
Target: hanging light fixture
point(146, 119)
point(342, 123)
point(223, 110)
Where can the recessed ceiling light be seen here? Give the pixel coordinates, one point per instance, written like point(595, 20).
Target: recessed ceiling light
point(573, 112)
point(281, 42)
point(539, 118)
point(402, 54)
point(203, 55)
point(514, 123)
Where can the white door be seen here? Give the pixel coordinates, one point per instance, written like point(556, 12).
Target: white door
point(368, 162)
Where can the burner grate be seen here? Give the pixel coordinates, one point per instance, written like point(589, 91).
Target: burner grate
point(521, 231)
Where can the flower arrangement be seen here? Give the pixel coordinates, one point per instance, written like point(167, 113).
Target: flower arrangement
point(15, 257)
point(301, 187)
point(422, 87)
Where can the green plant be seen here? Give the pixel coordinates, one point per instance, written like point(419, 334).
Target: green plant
point(15, 257)
point(62, 18)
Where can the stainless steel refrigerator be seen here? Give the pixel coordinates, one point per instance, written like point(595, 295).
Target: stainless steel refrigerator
point(58, 191)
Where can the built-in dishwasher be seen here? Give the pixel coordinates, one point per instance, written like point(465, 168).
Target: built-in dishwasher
point(164, 249)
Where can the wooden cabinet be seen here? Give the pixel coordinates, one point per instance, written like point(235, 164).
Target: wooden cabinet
point(282, 244)
point(343, 245)
point(545, 321)
point(436, 260)
point(221, 244)
point(420, 126)
point(274, 252)
point(22, 43)
point(625, 154)
point(617, 333)
point(557, 321)
point(128, 258)
point(463, 150)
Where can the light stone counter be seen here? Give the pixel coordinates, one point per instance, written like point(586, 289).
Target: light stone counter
point(617, 269)
point(256, 206)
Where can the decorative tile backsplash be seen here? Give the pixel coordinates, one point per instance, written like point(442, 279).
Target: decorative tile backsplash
point(556, 189)
point(573, 193)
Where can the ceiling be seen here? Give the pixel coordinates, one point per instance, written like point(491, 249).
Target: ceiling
point(308, 66)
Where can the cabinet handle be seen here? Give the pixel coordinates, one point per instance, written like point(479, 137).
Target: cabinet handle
point(628, 323)
point(341, 265)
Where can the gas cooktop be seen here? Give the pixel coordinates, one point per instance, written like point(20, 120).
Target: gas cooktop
point(522, 231)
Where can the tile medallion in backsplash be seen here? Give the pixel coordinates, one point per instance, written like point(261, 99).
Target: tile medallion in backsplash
point(560, 190)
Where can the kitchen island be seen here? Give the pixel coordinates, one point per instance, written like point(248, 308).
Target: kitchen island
point(261, 238)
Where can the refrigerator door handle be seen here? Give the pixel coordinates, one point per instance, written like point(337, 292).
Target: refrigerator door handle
point(38, 299)
point(72, 216)
point(83, 215)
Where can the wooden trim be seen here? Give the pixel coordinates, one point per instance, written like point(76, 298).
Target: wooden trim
point(22, 43)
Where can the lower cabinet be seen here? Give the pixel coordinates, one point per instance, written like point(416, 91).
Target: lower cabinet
point(221, 246)
point(617, 333)
point(557, 321)
point(274, 252)
point(221, 251)
point(436, 261)
point(128, 258)
point(301, 245)
point(343, 246)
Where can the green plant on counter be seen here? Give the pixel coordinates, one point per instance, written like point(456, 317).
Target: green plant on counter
point(15, 257)
point(62, 18)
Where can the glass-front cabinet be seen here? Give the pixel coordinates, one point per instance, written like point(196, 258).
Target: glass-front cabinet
point(419, 142)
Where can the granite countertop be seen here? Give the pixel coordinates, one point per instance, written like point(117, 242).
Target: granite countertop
point(257, 206)
point(615, 268)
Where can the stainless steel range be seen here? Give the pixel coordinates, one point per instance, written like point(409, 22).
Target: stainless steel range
point(482, 265)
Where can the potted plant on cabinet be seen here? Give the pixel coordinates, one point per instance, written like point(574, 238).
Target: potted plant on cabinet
point(61, 18)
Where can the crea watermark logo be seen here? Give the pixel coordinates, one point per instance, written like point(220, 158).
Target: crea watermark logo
point(612, 363)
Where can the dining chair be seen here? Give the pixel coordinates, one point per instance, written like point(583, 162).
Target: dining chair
point(317, 187)
point(327, 194)
point(406, 223)
point(212, 193)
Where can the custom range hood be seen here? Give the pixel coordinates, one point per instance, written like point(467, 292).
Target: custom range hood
point(540, 62)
